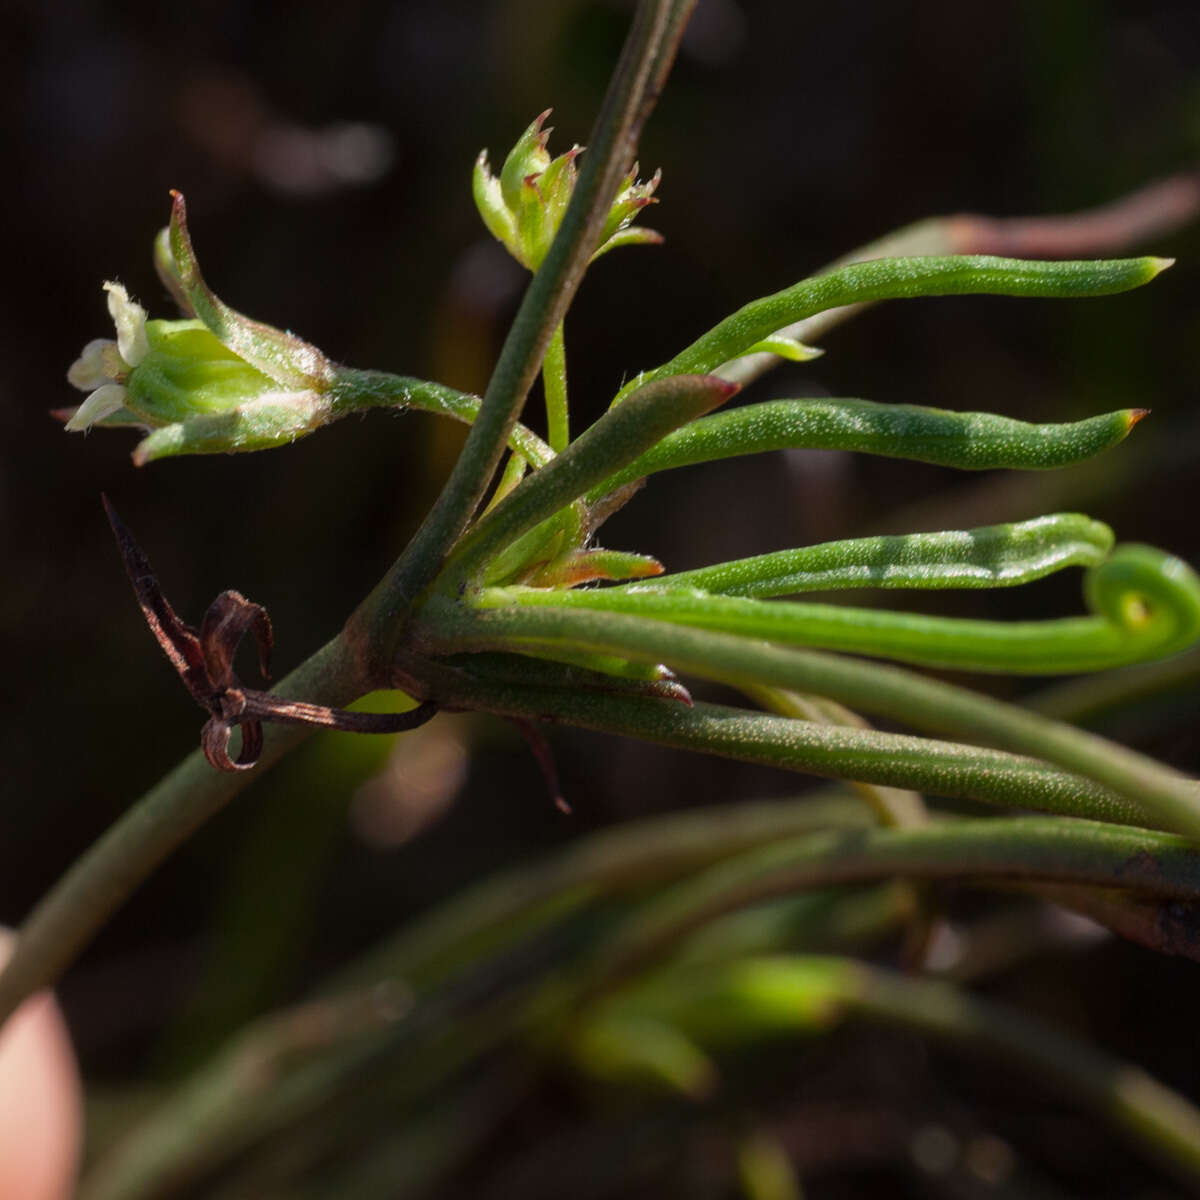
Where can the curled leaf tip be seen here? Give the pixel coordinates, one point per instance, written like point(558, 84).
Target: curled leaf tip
point(1136, 415)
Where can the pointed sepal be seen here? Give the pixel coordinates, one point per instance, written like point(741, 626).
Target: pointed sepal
point(288, 360)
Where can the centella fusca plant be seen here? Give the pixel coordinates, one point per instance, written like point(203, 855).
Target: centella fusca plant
point(505, 603)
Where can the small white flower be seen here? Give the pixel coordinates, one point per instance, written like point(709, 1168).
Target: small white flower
point(104, 365)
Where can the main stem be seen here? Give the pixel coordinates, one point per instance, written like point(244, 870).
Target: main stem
point(613, 144)
point(99, 882)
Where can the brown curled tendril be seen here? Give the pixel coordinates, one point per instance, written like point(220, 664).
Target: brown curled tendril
point(204, 661)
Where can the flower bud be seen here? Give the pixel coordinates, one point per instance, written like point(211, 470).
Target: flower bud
point(524, 205)
point(217, 381)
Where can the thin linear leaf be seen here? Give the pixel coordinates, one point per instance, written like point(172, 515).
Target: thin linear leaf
point(1168, 799)
point(968, 441)
point(988, 557)
point(937, 768)
point(900, 278)
point(1146, 604)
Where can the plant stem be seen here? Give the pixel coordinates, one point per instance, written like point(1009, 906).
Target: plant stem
point(554, 384)
point(347, 667)
point(618, 437)
point(1150, 1113)
point(356, 391)
point(100, 881)
point(513, 904)
point(1083, 700)
point(612, 145)
point(1056, 849)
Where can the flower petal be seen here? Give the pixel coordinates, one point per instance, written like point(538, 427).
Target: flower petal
point(130, 319)
point(93, 367)
point(103, 402)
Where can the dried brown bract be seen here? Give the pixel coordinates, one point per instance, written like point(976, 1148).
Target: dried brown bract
point(204, 661)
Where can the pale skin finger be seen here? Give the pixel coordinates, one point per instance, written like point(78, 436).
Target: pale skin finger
point(41, 1105)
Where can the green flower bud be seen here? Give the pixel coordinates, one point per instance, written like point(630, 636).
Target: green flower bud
point(188, 373)
point(217, 381)
point(524, 205)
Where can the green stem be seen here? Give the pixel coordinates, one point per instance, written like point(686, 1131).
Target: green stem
point(228, 1105)
point(1055, 849)
point(805, 994)
point(356, 391)
point(1084, 700)
point(98, 884)
point(1168, 799)
point(611, 149)
point(554, 384)
point(508, 907)
point(1151, 1114)
point(618, 437)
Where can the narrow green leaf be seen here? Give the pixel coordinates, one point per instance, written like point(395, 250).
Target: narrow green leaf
point(927, 765)
point(969, 441)
point(988, 557)
point(899, 278)
point(1168, 799)
point(1145, 604)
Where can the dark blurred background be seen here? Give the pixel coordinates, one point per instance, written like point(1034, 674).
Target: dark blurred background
point(325, 151)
